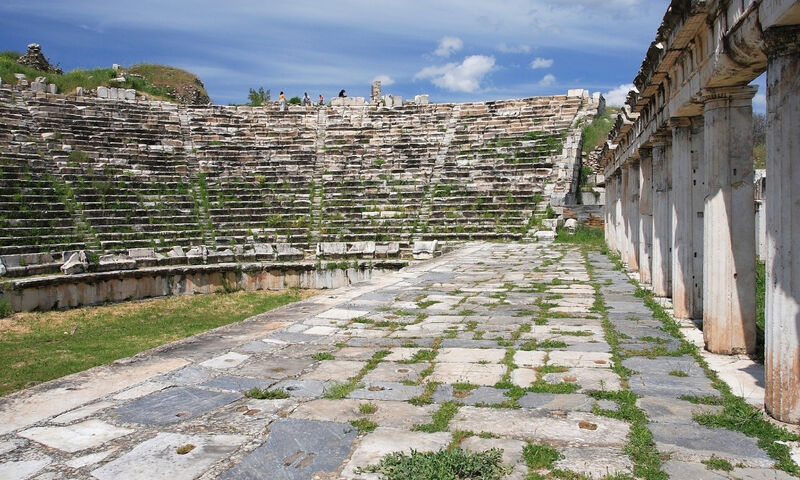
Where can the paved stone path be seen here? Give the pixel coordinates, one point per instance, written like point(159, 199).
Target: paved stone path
point(508, 331)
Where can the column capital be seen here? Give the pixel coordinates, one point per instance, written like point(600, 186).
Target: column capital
point(680, 122)
point(782, 40)
point(737, 96)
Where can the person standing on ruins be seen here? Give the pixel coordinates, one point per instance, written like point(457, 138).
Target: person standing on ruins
point(282, 101)
point(306, 100)
point(341, 94)
point(321, 100)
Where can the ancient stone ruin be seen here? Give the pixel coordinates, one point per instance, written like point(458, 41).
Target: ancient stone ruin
point(679, 177)
point(34, 58)
point(104, 189)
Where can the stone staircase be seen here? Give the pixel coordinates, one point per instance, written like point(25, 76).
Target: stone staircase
point(86, 173)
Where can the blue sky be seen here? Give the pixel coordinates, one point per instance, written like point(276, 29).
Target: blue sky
point(453, 50)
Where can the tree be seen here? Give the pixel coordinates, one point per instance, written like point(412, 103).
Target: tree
point(258, 97)
point(294, 101)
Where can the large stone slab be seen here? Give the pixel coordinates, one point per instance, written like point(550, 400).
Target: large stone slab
point(23, 469)
point(694, 443)
point(575, 428)
point(375, 390)
point(237, 384)
point(77, 437)
point(388, 414)
point(577, 402)
point(470, 355)
point(278, 368)
point(158, 459)
point(596, 462)
point(225, 361)
point(334, 370)
point(173, 405)
point(295, 450)
point(303, 388)
point(395, 372)
point(24, 409)
point(385, 440)
point(478, 396)
point(475, 373)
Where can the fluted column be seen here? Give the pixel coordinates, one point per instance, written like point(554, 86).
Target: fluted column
point(729, 222)
point(662, 219)
point(684, 162)
point(645, 214)
point(632, 216)
point(699, 191)
point(782, 322)
point(610, 207)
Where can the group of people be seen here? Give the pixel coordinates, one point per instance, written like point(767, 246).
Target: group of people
point(306, 101)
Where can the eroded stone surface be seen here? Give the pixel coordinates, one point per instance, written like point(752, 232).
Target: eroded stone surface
point(296, 449)
point(73, 438)
point(173, 405)
point(158, 458)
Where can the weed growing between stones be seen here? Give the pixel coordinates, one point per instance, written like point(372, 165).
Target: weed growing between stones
point(323, 356)
point(266, 394)
point(441, 418)
point(364, 425)
point(640, 447)
point(716, 463)
point(540, 456)
point(737, 415)
point(444, 464)
point(367, 408)
point(341, 390)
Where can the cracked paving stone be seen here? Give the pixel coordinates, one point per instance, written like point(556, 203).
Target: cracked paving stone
point(158, 458)
point(295, 450)
point(173, 405)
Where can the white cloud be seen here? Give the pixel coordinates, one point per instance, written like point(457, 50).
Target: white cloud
point(448, 46)
point(760, 102)
point(539, 62)
point(506, 48)
point(617, 96)
point(459, 77)
point(547, 80)
point(385, 80)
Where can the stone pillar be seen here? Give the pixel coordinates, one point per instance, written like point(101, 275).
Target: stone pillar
point(624, 237)
point(619, 224)
point(698, 207)
point(682, 221)
point(782, 322)
point(645, 214)
point(610, 232)
point(662, 219)
point(375, 93)
point(729, 308)
point(632, 217)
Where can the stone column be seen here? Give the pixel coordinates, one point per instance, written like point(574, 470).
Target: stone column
point(698, 207)
point(682, 221)
point(632, 217)
point(729, 308)
point(624, 237)
point(610, 232)
point(662, 219)
point(645, 214)
point(782, 322)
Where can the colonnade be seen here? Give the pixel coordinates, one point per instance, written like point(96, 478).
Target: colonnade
point(680, 205)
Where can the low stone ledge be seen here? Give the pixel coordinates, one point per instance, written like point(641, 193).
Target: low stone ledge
point(96, 288)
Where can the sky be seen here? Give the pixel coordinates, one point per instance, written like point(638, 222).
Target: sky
point(452, 50)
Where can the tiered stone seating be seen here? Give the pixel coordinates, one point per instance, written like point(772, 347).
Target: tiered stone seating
point(109, 176)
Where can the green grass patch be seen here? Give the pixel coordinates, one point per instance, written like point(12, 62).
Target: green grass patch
point(540, 456)
point(678, 373)
point(367, 408)
point(37, 347)
point(267, 394)
point(448, 464)
point(592, 237)
point(364, 425)
point(323, 356)
point(441, 418)
point(716, 463)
